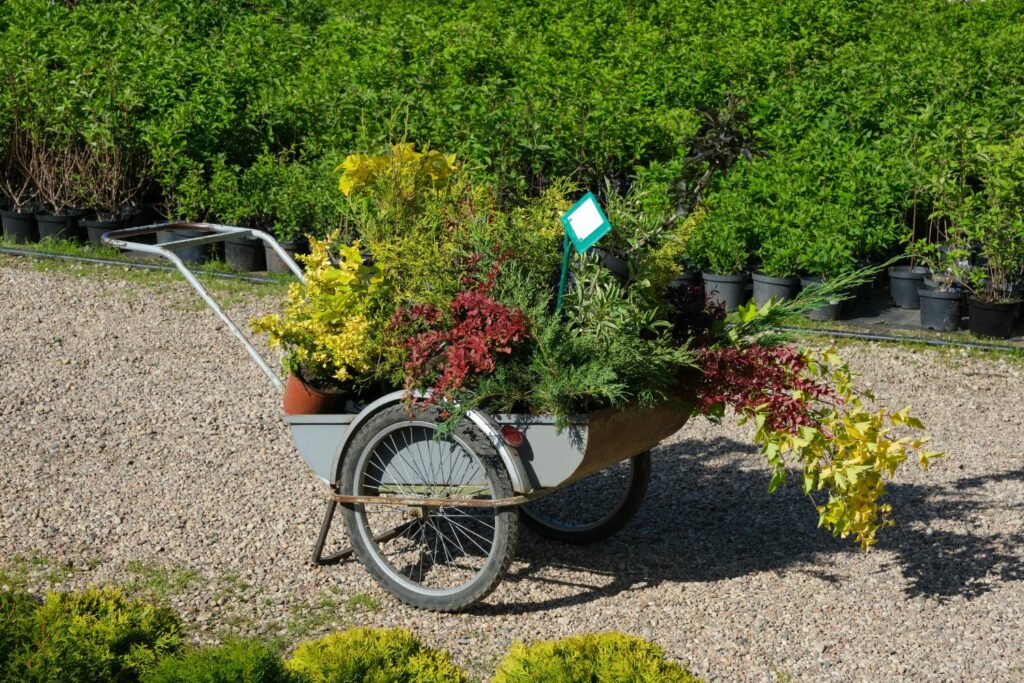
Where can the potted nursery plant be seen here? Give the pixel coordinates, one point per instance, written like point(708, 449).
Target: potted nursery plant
point(113, 176)
point(721, 245)
point(18, 218)
point(826, 253)
point(779, 254)
point(991, 219)
point(323, 328)
point(55, 167)
point(944, 254)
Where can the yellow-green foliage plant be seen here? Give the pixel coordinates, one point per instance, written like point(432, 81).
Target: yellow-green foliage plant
point(93, 635)
point(809, 416)
point(605, 657)
point(848, 452)
point(366, 655)
point(325, 327)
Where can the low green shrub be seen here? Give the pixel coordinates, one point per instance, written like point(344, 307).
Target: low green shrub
point(93, 635)
point(240, 661)
point(16, 609)
point(363, 655)
point(604, 657)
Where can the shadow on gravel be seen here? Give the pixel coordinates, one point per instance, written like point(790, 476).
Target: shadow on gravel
point(707, 521)
point(941, 563)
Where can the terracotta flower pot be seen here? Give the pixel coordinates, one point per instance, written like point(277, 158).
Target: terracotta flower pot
point(302, 399)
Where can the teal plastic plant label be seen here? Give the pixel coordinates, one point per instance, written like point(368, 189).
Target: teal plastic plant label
point(585, 222)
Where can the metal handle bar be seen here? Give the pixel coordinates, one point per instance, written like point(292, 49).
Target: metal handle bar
point(217, 233)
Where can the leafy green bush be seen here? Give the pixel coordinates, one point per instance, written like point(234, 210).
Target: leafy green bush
point(16, 609)
point(605, 657)
point(93, 635)
point(234, 662)
point(364, 655)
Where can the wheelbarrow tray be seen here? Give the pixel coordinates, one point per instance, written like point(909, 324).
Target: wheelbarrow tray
point(550, 457)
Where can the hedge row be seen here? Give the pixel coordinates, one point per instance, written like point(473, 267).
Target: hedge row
point(239, 110)
point(99, 635)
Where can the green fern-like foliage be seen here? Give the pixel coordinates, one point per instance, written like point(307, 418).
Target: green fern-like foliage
point(239, 661)
point(93, 635)
point(16, 610)
point(596, 657)
point(364, 655)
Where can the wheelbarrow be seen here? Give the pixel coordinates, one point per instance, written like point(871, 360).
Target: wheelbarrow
point(434, 516)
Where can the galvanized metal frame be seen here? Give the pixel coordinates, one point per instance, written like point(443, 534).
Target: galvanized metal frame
point(217, 233)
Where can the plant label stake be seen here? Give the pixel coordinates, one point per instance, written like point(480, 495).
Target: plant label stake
point(585, 223)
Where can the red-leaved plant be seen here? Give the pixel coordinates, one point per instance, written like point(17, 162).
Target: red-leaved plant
point(752, 377)
point(476, 328)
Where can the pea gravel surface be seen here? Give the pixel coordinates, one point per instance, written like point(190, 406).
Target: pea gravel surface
point(142, 448)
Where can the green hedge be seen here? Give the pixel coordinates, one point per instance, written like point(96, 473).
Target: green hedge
point(237, 111)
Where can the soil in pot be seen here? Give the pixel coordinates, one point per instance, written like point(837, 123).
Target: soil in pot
point(19, 226)
point(95, 227)
point(991, 319)
point(782, 288)
point(904, 281)
point(62, 226)
point(728, 290)
point(274, 262)
point(244, 253)
point(301, 398)
point(940, 310)
point(195, 255)
point(833, 310)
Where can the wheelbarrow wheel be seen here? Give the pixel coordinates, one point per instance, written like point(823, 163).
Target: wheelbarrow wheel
point(593, 508)
point(436, 557)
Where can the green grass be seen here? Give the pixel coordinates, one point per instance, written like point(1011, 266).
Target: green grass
point(159, 581)
point(225, 291)
point(23, 571)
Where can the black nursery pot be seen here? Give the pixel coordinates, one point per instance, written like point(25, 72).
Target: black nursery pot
point(991, 319)
point(274, 262)
point(904, 282)
point(61, 226)
point(727, 290)
point(95, 227)
point(19, 226)
point(833, 310)
point(244, 253)
point(194, 255)
point(940, 310)
point(782, 288)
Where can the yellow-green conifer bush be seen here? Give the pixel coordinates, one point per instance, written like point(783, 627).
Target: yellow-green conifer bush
point(366, 655)
point(605, 657)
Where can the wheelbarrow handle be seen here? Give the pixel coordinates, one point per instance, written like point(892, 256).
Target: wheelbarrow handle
point(216, 233)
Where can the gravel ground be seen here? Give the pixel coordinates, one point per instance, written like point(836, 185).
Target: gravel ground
point(142, 448)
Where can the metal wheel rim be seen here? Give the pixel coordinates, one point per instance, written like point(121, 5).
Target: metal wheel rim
point(463, 542)
point(532, 509)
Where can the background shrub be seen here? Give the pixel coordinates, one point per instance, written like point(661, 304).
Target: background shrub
point(239, 661)
point(93, 635)
point(236, 111)
point(364, 655)
point(605, 657)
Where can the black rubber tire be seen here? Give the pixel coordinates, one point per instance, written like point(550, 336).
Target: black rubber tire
point(630, 503)
point(506, 522)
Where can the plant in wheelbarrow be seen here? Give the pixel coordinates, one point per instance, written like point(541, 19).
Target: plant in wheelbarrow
point(324, 329)
point(508, 408)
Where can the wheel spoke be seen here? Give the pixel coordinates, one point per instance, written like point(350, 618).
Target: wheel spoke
point(449, 546)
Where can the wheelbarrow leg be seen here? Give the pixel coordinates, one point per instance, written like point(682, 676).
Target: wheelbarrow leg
point(346, 553)
point(325, 528)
